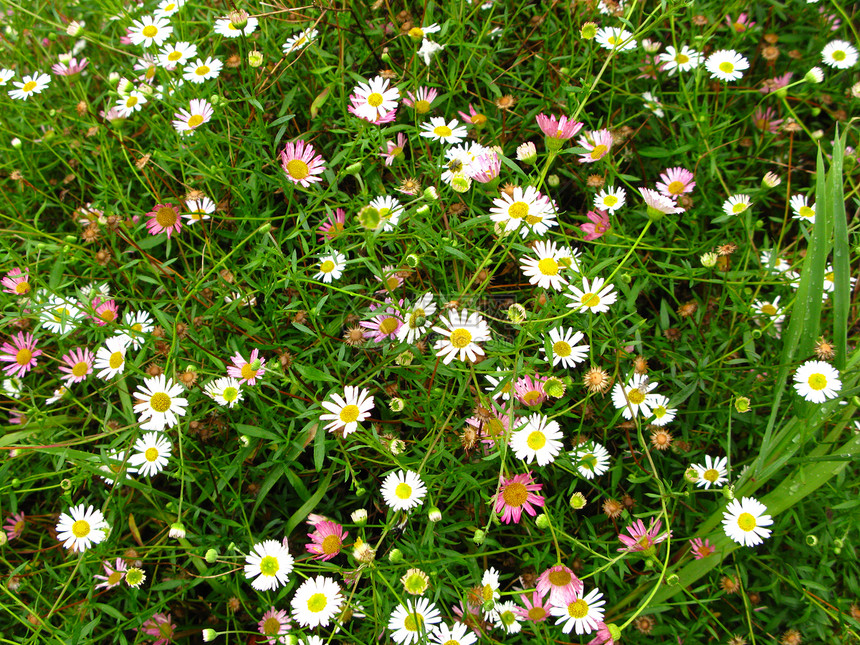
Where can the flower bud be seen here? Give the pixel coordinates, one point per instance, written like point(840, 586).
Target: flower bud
point(238, 18)
point(691, 475)
point(209, 635)
point(770, 180)
point(16, 142)
point(211, 555)
point(815, 75)
point(588, 31)
point(177, 531)
point(363, 552)
point(460, 183)
point(811, 540)
point(517, 313)
point(553, 181)
point(672, 579)
point(353, 168)
point(542, 521)
point(395, 556)
point(709, 260)
point(397, 446)
point(359, 517)
point(431, 194)
point(74, 29)
point(479, 536)
point(554, 387)
point(577, 501)
point(423, 210)
point(404, 359)
point(527, 153)
point(396, 404)
point(360, 491)
point(855, 90)
point(255, 58)
point(742, 404)
point(434, 514)
point(729, 492)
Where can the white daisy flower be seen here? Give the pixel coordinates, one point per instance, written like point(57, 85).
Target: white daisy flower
point(81, 528)
point(348, 411)
point(130, 104)
point(59, 316)
point(428, 49)
point(681, 60)
point(580, 614)
point(801, 210)
point(225, 391)
point(268, 565)
point(569, 258)
point(316, 602)
point(610, 199)
point(779, 265)
point(544, 270)
point(300, 40)
point(615, 38)
point(410, 623)
point(202, 70)
point(663, 415)
point(150, 30)
point(653, 103)
point(462, 331)
point(537, 440)
point(137, 325)
point(375, 98)
point(596, 297)
point(591, 460)
point(159, 404)
point(817, 381)
point(713, 473)
point(830, 281)
point(506, 616)
point(153, 451)
point(110, 359)
point(457, 634)
point(403, 490)
point(225, 27)
point(167, 8)
point(490, 586)
point(6, 75)
point(501, 387)
point(565, 350)
point(438, 130)
point(416, 322)
point(736, 204)
point(839, 54)
point(769, 310)
point(743, 521)
point(513, 210)
point(198, 209)
point(726, 65)
point(29, 85)
point(172, 55)
point(633, 399)
point(330, 267)
point(419, 33)
point(389, 209)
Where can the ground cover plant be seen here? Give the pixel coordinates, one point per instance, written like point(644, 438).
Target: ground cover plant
point(448, 322)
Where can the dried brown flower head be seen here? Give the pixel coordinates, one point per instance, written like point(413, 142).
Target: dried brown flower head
point(595, 181)
point(140, 164)
point(729, 584)
point(154, 370)
point(508, 189)
point(597, 380)
point(727, 249)
point(771, 39)
point(645, 624)
point(354, 336)
point(661, 439)
point(613, 508)
point(90, 234)
point(791, 637)
point(410, 186)
point(300, 317)
point(673, 334)
point(387, 73)
point(457, 208)
point(688, 309)
point(824, 350)
point(233, 61)
point(699, 20)
point(640, 365)
point(188, 378)
point(770, 52)
point(505, 102)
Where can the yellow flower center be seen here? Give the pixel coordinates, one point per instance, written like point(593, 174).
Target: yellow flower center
point(174, 56)
point(413, 622)
point(248, 372)
point(536, 440)
point(81, 529)
point(807, 212)
point(561, 348)
point(577, 609)
point(115, 361)
point(416, 32)
point(746, 522)
point(515, 494)
point(166, 217)
point(202, 70)
point(195, 120)
point(442, 131)
point(460, 338)
point(559, 578)
point(817, 381)
point(317, 602)
point(531, 220)
point(494, 427)
point(682, 59)
point(80, 369)
point(839, 55)
point(131, 101)
point(488, 592)
point(160, 402)
point(711, 475)
point(590, 299)
point(151, 454)
point(548, 266)
point(23, 356)
point(659, 412)
point(229, 394)
point(388, 325)
point(375, 99)
point(740, 207)
point(531, 397)
point(297, 169)
point(768, 309)
point(108, 315)
point(114, 578)
point(518, 210)
point(478, 119)
point(422, 106)
point(272, 627)
point(150, 31)
point(537, 613)
point(403, 490)
point(28, 87)
point(349, 413)
point(610, 200)
point(22, 287)
point(327, 266)
point(726, 67)
point(269, 565)
point(830, 276)
point(675, 188)
point(231, 27)
point(635, 396)
point(331, 544)
point(598, 151)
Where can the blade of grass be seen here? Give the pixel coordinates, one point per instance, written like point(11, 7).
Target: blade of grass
point(841, 269)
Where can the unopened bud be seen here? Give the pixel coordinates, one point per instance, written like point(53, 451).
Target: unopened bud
point(479, 536)
point(553, 181)
point(588, 31)
point(554, 387)
point(742, 404)
point(542, 521)
point(517, 313)
point(209, 635)
point(74, 29)
point(527, 153)
point(255, 58)
point(577, 501)
point(434, 514)
point(395, 556)
point(811, 540)
point(431, 194)
point(359, 517)
point(211, 555)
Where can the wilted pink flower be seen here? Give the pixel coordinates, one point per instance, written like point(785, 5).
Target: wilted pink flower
point(160, 626)
point(474, 117)
point(741, 24)
point(392, 150)
point(74, 66)
point(777, 82)
point(642, 539)
point(486, 167)
point(558, 127)
point(14, 526)
point(598, 225)
point(701, 549)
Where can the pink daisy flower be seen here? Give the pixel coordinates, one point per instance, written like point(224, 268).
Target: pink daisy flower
point(422, 100)
point(474, 117)
point(517, 494)
point(301, 163)
point(776, 83)
point(701, 549)
point(199, 111)
point(333, 225)
point(393, 149)
point(765, 120)
point(596, 143)
point(377, 119)
point(106, 312)
point(641, 538)
point(113, 575)
point(274, 625)
point(741, 24)
point(21, 353)
point(384, 325)
point(470, 616)
point(78, 365)
point(597, 227)
point(560, 583)
point(17, 282)
point(559, 128)
point(72, 67)
point(604, 635)
point(675, 181)
point(497, 429)
point(535, 610)
point(390, 279)
point(160, 626)
point(164, 218)
point(247, 371)
point(326, 540)
point(486, 167)
point(14, 526)
point(529, 391)
point(658, 204)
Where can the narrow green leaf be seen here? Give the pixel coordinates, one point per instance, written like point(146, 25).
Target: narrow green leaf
point(841, 269)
